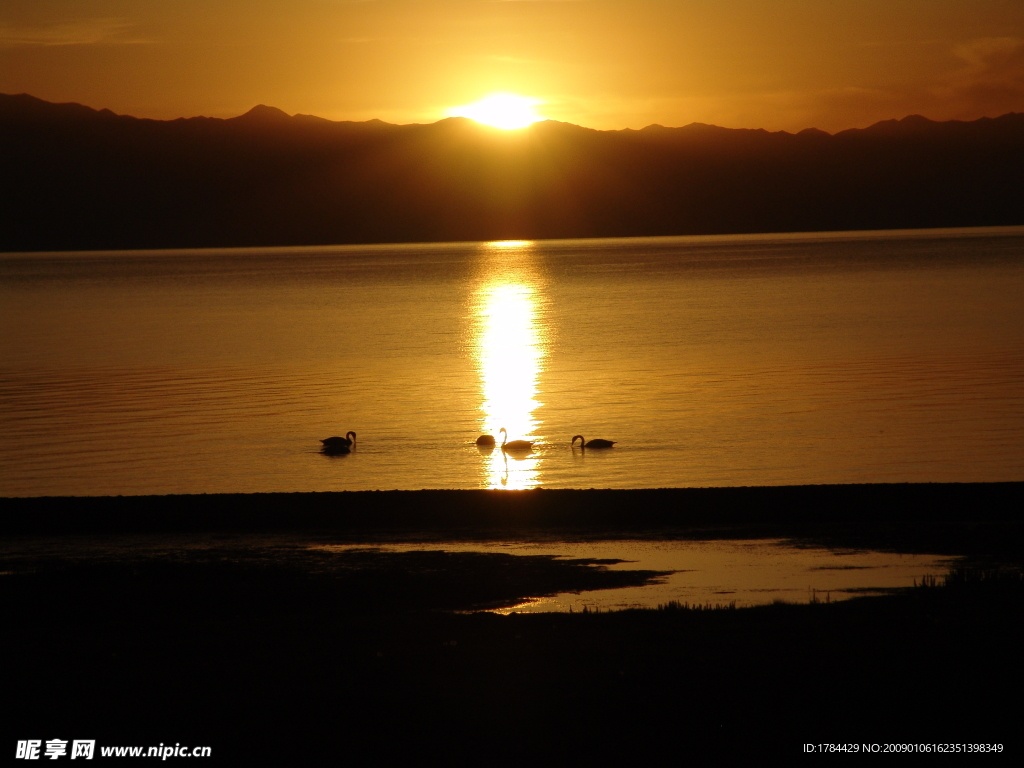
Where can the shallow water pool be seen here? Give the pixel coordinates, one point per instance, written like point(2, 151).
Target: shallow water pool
point(742, 573)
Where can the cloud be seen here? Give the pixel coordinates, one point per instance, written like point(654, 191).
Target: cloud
point(986, 79)
point(991, 80)
point(88, 32)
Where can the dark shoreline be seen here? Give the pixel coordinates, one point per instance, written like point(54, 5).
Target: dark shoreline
point(255, 645)
point(971, 519)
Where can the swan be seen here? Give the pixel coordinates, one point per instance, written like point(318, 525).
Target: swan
point(515, 445)
point(595, 443)
point(340, 442)
point(485, 440)
point(335, 450)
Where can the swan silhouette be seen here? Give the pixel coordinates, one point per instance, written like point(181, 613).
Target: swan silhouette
point(335, 443)
point(595, 443)
point(485, 441)
point(515, 445)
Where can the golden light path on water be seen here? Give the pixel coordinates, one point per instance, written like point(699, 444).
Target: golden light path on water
point(509, 353)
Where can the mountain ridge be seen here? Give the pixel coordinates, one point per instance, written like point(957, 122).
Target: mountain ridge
point(76, 178)
point(263, 113)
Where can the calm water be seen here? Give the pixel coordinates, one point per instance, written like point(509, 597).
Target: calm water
point(740, 573)
point(886, 356)
point(743, 573)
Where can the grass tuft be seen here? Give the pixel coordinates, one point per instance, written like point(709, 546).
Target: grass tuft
point(676, 605)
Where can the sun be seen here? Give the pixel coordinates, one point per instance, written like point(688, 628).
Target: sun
point(501, 110)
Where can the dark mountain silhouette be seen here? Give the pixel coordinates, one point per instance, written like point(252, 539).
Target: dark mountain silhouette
point(261, 114)
point(76, 178)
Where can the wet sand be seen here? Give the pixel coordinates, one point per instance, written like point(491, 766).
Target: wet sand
point(234, 636)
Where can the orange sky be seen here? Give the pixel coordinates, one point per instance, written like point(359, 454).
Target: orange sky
point(609, 64)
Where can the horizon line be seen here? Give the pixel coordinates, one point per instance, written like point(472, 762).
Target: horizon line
point(272, 110)
point(1010, 230)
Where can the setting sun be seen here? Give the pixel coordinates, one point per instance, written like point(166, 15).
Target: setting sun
point(501, 110)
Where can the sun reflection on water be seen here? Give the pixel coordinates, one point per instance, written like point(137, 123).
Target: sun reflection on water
point(509, 352)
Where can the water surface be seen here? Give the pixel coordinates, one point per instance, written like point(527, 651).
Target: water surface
point(713, 361)
point(739, 573)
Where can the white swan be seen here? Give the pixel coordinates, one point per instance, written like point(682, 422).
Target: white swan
point(515, 445)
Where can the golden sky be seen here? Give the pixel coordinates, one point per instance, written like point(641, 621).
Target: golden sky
point(607, 64)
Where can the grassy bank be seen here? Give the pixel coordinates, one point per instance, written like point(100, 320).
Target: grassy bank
point(230, 634)
point(935, 665)
point(370, 664)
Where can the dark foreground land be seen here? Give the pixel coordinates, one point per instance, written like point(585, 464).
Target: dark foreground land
point(208, 620)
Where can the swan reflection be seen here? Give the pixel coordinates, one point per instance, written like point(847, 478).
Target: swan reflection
point(509, 351)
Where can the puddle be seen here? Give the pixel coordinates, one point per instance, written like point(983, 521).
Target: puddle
point(726, 572)
point(743, 573)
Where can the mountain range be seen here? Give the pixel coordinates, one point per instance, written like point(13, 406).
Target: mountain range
point(75, 178)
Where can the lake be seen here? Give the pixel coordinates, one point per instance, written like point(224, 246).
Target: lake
point(712, 361)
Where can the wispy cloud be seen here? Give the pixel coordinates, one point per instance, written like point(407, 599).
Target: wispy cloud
point(992, 78)
point(105, 31)
point(992, 63)
point(898, 43)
